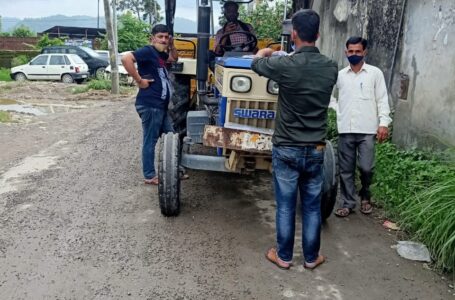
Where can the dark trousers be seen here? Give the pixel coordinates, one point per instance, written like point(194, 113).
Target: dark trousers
point(355, 148)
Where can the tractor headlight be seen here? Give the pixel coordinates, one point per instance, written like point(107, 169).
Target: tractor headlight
point(272, 87)
point(241, 84)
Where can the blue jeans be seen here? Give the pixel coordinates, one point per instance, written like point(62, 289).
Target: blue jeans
point(155, 121)
point(298, 169)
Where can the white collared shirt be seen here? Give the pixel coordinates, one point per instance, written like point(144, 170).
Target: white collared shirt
point(363, 104)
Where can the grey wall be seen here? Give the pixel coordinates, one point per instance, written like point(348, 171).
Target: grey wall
point(412, 41)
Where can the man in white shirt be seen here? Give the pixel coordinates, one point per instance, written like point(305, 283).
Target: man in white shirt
point(362, 116)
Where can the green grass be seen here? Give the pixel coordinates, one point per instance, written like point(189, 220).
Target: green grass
point(5, 117)
point(97, 84)
point(4, 74)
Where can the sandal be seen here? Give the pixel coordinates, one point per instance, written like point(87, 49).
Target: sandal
point(272, 256)
point(311, 266)
point(153, 181)
point(343, 212)
point(365, 207)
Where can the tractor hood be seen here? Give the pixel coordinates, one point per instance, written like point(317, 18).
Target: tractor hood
point(234, 62)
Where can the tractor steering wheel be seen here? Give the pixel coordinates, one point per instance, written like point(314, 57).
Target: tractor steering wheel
point(250, 44)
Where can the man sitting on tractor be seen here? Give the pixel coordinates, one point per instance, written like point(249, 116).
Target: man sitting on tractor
point(235, 35)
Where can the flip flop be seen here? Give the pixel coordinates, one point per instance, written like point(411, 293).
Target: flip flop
point(272, 256)
point(153, 181)
point(365, 207)
point(343, 212)
point(311, 266)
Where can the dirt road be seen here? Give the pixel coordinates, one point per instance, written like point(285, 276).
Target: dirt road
point(77, 222)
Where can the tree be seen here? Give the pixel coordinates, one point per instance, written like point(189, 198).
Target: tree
point(152, 12)
point(132, 33)
point(112, 51)
point(22, 31)
point(45, 41)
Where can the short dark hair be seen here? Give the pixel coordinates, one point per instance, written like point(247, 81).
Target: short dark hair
point(353, 40)
point(230, 3)
point(160, 28)
point(306, 23)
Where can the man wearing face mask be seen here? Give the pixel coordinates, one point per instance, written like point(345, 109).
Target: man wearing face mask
point(154, 92)
point(231, 13)
point(362, 116)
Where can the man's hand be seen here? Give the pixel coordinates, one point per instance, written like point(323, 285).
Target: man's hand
point(266, 52)
point(144, 83)
point(382, 134)
point(231, 26)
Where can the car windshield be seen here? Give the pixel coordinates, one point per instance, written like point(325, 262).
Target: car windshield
point(90, 52)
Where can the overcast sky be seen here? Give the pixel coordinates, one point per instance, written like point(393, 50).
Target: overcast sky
point(44, 8)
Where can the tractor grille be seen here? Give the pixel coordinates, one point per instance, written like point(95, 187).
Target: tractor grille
point(251, 121)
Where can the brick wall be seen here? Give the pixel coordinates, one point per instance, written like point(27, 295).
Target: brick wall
point(16, 43)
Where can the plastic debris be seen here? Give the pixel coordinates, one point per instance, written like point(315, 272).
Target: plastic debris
point(390, 225)
point(413, 251)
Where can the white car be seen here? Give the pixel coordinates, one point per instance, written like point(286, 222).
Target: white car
point(104, 54)
point(124, 77)
point(67, 68)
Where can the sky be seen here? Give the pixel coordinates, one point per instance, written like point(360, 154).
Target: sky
point(43, 8)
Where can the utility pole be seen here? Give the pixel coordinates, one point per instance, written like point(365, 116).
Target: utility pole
point(112, 50)
point(98, 19)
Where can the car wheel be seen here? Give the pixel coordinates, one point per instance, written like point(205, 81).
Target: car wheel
point(99, 73)
point(20, 77)
point(67, 78)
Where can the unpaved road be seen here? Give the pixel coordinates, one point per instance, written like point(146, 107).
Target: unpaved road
point(76, 222)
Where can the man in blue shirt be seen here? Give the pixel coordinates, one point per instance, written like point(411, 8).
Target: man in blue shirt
point(154, 93)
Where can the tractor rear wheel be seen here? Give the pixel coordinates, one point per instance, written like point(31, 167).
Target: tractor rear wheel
point(169, 174)
point(330, 185)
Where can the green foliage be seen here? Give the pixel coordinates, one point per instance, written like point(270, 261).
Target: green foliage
point(332, 130)
point(4, 74)
point(23, 31)
point(148, 9)
point(132, 33)
point(418, 190)
point(5, 34)
point(19, 60)
point(5, 117)
point(45, 41)
point(265, 19)
point(99, 84)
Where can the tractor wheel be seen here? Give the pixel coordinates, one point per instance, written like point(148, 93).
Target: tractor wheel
point(169, 175)
point(180, 103)
point(330, 185)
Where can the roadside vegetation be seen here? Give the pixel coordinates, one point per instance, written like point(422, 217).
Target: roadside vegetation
point(4, 74)
point(416, 189)
point(5, 117)
point(99, 84)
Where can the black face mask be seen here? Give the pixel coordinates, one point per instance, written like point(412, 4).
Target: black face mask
point(355, 59)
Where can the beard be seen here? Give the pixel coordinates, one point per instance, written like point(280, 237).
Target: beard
point(160, 47)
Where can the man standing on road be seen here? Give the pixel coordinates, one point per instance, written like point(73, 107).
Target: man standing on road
point(306, 79)
point(362, 116)
point(154, 92)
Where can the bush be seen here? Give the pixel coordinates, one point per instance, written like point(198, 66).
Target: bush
point(99, 84)
point(19, 60)
point(4, 74)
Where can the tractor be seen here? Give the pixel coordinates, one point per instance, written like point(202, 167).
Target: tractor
point(228, 125)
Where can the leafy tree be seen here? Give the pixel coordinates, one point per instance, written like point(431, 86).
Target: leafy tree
point(22, 31)
point(5, 34)
point(45, 41)
point(132, 33)
point(152, 12)
point(143, 9)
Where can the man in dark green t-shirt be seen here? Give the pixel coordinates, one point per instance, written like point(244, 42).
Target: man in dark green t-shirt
point(306, 79)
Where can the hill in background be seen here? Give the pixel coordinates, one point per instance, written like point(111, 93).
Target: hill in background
point(181, 25)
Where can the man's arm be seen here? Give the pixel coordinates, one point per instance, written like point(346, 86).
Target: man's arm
point(128, 61)
point(267, 66)
point(382, 101)
point(172, 51)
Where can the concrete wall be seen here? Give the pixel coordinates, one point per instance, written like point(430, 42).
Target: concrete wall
point(413, 43)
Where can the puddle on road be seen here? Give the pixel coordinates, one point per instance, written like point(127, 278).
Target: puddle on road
point(36, 109)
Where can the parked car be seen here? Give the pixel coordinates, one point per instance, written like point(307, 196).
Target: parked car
point(67, 68)
point(124, 77)
point(96, 64)
point(104, 54)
